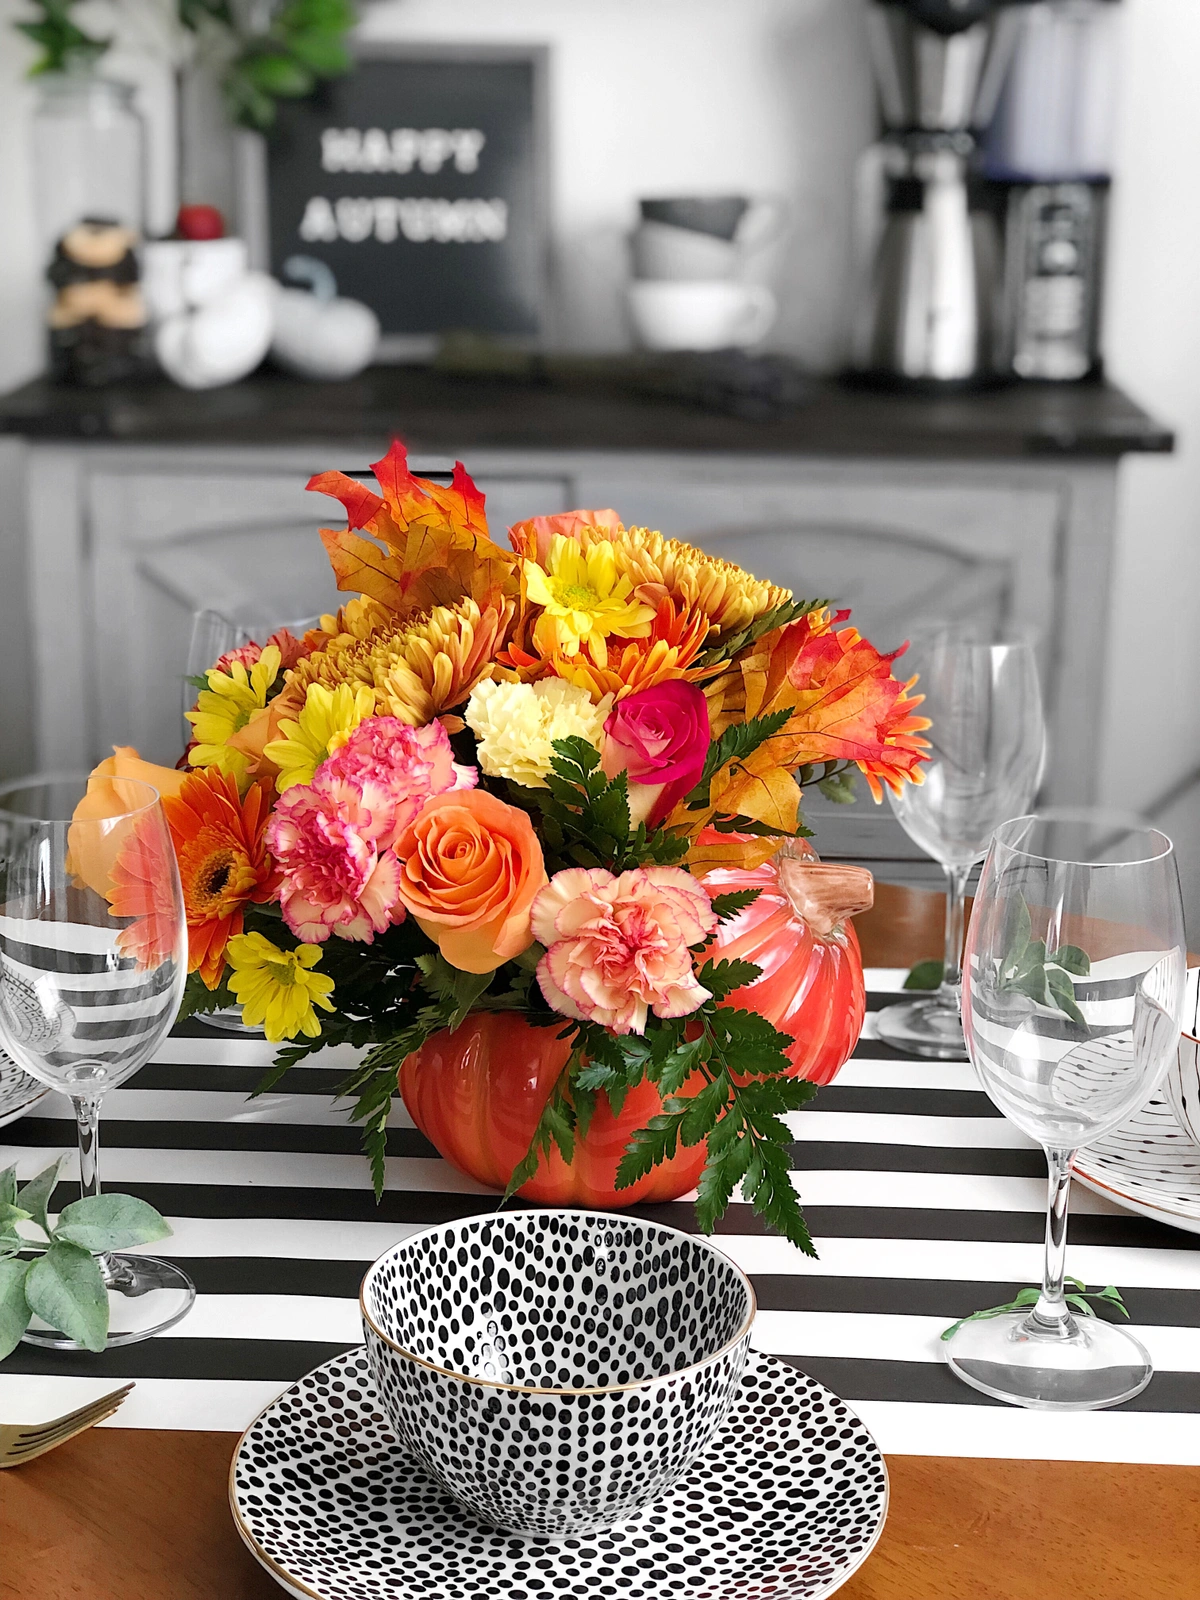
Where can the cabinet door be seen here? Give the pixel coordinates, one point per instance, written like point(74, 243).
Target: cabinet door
point(901, 550)
point(168, 543)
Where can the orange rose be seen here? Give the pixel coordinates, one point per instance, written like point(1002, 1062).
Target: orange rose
point(470, 867)
point(93, 851)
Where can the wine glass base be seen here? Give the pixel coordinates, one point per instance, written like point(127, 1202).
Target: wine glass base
point(923, 1028)
point(145, 1296)
point(1092, 1365)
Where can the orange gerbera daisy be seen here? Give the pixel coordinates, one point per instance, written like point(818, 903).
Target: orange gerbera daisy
point(223, 862)
point(140, 886)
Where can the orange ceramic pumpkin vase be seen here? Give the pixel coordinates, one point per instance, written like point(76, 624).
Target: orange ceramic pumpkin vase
point(477, 1093)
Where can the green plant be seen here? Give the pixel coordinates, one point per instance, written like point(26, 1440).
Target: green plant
point(301, 42)
point(57, 1277)
point(283, 57)
point(1077, 1297)
point(64, 45)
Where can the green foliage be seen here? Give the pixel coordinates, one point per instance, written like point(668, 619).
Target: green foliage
point(735, 744)
point(279, 54)
point(748, 1142)
point(110, 1222)
point(1078, 1296)
point(925, 975)
point(1026, 968)
point(64, 45)
point(728, 905)
point(63, 1283)
point(791, 611)
point(585, 820)
point(838, 785)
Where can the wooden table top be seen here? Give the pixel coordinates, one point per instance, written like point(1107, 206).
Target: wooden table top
point(140, 1515)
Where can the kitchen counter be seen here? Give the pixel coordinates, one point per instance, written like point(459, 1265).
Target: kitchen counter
point(591, 406)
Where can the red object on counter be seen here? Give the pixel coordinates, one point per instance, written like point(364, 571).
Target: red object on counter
point(199, 222)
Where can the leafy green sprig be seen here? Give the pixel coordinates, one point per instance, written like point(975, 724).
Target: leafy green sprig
point(1078, 1297)
point(50, 1270)
point(1028, 968)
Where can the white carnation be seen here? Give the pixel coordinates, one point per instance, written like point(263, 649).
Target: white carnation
point(516, 725)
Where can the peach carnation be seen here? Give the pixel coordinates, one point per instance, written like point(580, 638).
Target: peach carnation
point(617, 947)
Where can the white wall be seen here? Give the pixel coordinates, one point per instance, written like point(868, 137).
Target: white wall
point(1152, 734)
point(685, 96)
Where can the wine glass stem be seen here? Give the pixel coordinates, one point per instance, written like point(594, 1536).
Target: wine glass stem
point(87, 1118)
point(1051, 1310)
point(87, 1122)
point(956, 895)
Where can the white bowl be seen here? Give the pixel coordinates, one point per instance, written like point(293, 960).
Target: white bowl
point(556, 1371)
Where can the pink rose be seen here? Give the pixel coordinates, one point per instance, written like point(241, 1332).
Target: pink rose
point(660, 737)
point(617, 947)
point(410, 765)
point(330, 840)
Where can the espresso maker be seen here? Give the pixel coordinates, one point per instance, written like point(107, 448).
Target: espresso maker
point(930, 301)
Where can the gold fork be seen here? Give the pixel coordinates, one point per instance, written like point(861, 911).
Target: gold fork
point(18, 1444)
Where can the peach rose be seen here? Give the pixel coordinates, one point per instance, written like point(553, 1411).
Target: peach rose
point(94, 850)
point(470, 867)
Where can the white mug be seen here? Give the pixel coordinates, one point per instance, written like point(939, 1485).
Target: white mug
point(1183, 1075)
point(700, 316)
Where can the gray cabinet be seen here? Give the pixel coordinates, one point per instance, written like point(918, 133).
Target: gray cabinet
point(123, 543)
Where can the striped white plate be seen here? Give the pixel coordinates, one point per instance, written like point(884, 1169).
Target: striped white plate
point(1150, 1165)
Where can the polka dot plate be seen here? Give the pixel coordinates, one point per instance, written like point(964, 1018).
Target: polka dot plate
point(786, 1504)
point(1148, 1164)
point(19, 1092)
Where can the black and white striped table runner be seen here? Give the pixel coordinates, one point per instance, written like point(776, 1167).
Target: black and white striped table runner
point(924, 1202)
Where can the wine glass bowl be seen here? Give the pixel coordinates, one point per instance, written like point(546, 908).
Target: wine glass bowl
point(987, 750)
point(1073, 992)
point(93, 960)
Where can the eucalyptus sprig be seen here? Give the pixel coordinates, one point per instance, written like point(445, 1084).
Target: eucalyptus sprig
point(56, 1276)
point(1045, 976)
point(1077, 1297)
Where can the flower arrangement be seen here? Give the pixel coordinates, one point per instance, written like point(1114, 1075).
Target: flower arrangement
point(496, 781)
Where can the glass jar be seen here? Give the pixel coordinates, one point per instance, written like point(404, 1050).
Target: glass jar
point(88, 155)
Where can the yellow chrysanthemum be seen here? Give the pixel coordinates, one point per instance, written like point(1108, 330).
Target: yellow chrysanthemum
point(328, 718)
point(421, 667)
point(277, 989)
point(730, 597)
point(226, 706)
point(516, 725)
point(584, 598)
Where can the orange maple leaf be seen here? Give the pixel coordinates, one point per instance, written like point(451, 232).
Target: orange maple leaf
point(429, 543)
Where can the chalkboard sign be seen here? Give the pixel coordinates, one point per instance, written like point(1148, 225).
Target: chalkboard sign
point(419, 178)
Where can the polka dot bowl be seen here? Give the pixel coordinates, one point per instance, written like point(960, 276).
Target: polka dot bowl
point(556, 1371)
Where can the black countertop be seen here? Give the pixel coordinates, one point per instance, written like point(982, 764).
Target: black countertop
point(589, 407)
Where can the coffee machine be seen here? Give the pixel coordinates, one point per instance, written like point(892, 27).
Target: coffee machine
point(929, 306)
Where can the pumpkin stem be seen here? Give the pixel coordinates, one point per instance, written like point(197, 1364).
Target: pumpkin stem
point(825, 893)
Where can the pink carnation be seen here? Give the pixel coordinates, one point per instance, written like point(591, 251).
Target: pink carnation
point(410, 765)
point(330, 840)
point(617, 947)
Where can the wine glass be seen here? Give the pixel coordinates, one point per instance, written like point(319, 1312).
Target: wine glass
point(988, 743)
point(1073, 994)
point(93, 958)
point(215, 635)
